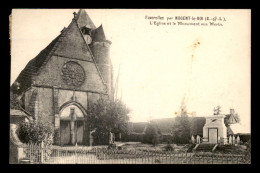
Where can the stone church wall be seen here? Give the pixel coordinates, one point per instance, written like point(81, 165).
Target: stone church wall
point(45, 102)
point(66, 95)
point(51, 75)
point(27, 98)
point(92, 98)
point(73, 45)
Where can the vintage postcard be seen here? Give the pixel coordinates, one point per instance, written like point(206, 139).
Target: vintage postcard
point(130, 86)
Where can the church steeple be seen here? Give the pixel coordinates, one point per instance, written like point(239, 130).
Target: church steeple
point(83, 19)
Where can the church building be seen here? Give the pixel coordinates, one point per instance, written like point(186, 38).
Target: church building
point(68, 77)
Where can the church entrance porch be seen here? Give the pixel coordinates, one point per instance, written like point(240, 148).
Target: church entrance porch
point(72, 126)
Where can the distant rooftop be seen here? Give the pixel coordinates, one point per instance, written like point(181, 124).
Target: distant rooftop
point(238, 129)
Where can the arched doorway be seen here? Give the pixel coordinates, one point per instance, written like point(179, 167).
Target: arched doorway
point(72, 125)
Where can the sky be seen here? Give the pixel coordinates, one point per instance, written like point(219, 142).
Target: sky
point(160, 66)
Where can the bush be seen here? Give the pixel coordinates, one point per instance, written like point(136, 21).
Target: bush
point(133, 137)
point(36, 132)
point(190, 147)
point(152, 134)
point(168, 147)
point(166, 139)
point(244, 137)
point(136, 137)
point(100, 138)
point(111, 146)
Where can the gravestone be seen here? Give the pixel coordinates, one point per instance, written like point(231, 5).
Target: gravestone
point(230, 140)
point(192, 139)
point(238, 140)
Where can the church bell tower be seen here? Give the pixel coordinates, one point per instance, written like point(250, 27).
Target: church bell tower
point(99, 46)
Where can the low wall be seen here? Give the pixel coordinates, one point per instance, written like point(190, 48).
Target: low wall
point(16, 151)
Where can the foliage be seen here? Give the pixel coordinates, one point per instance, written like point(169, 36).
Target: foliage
point(190, 147)
point(100, 137)
point(111, 146)
point(244, 138)
point(133, 137)
point(14, 101)
point(152, 134)
point(167, 139)
point(168, 147)
point(197, 124)
point(108, 116)
point(36, 131)
point(136, 127)
point(248, 151)
point(181, 129)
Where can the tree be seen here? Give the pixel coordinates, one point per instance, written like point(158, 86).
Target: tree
point(152, 134)
point(107, 116)
point(181, 129)
point(217, 110)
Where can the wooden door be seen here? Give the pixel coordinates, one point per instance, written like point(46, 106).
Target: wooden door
point(213, 136)
point(79, 132)
point(65, 132)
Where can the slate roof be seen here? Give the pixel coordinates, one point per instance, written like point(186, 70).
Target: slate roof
point(34, 65)
point(84, 20)
point(98, 34)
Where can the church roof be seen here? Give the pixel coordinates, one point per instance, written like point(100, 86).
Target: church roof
point(98, 34)
point(33, 66)
point(83, 19)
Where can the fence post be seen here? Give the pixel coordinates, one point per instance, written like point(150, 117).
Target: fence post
point(75, 156)
point(30, 156)
point(135, 156)
point(41, 149)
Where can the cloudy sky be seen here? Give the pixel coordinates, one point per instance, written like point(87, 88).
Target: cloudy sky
point(160, 65)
